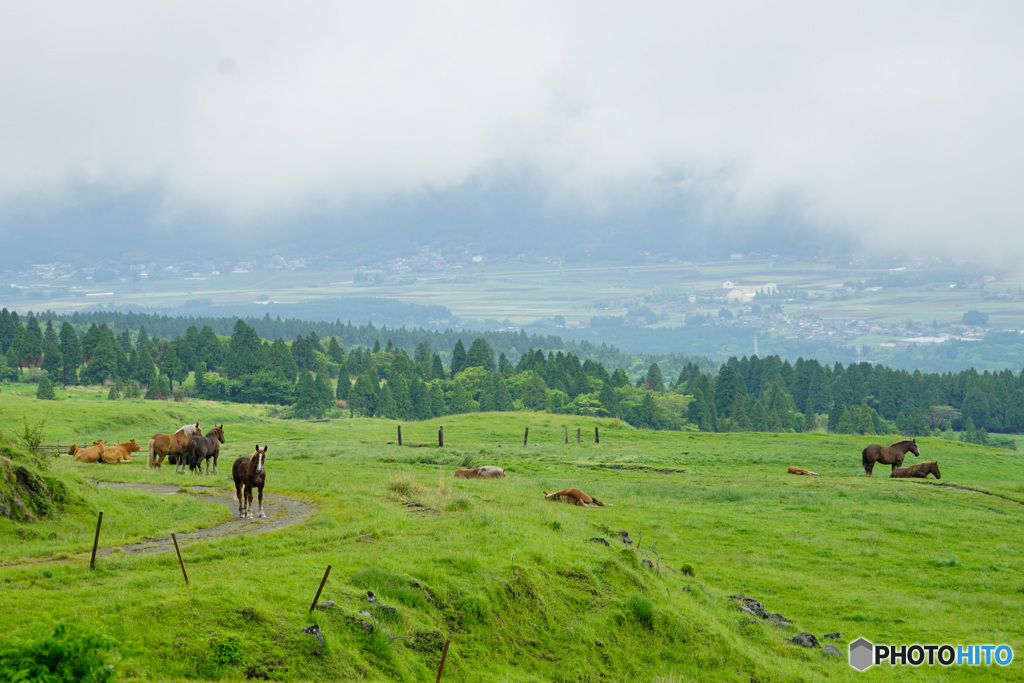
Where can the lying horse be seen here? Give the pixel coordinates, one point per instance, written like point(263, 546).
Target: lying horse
point(887, 455)
point(204, 447)
point(249, 473)
point(90, 454)
point(921, 470)
point(486, 472)
point(576, 497)
point(173, 445)
point(120, 452)
point(800, 470)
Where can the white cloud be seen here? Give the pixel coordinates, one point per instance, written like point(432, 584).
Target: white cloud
point(898, 122)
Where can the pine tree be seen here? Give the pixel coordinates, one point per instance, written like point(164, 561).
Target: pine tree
point(502, 398)
point(437, 368)
point(654, 380)
point(535, 393)
point(45, 390)
point(363, 396)
point(480, 355)
point(386, 406)
point(306, 400)
point(437, 404)
point(458, 358)
point(171, 367)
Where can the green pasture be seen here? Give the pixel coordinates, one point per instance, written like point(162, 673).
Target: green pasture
point(511, 579)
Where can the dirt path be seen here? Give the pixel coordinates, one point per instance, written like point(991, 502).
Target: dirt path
point(281, 511)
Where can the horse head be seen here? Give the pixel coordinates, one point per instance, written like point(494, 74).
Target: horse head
point(935, 470)
point(220, 433)
point(913, 448)
point(258, 457)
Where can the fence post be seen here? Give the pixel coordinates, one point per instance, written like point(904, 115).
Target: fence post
point(96, 542)
point(566, 434)
point(444, 656)
point(440, 437)
point(597, 436)
point(318, 590)
point(180, 561)
point(578, 432)
point(526, 436)
point(399, 435)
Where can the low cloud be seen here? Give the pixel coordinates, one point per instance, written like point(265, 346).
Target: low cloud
point(897, 124)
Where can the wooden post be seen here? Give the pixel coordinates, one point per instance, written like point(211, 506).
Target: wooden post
point(96, 542)
point(322, 582)
point(399, 435)
point(578, 432)
point(440, 437)
point(180, 561)
point(566, 434)
point(597, 436)
point(444, 656)
point(526, 436)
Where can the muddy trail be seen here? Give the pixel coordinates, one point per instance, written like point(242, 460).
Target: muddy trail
point(282, 511)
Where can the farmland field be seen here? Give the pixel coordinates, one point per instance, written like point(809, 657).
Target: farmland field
point(512, 580)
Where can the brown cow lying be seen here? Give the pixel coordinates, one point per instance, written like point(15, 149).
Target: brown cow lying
point(90, 454)
point(120, 452)
point(801, 470)
point(486, 472)
point(576, 497)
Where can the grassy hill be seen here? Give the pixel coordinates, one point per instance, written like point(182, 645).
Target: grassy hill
point(513, 580)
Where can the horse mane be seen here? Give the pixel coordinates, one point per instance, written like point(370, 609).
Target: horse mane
point(189, 430)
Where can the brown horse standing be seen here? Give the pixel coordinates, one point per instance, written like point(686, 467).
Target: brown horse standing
point(248, 474)
point(921, 470)
point(887, 455)
point(174, 444)
point(204, 447)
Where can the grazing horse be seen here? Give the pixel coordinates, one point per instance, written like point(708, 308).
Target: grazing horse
point(90, 454)
point(576, 497)
point(486, 472)
point(204, 447)
point(248, 474)
point(793, 469)
point(921, 470)
point(173, 445)
point(120, 452)
point(888, 455)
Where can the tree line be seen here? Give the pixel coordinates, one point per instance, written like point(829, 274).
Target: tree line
point(311, 377)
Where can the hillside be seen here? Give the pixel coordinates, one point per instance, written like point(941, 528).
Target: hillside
point(515, 581)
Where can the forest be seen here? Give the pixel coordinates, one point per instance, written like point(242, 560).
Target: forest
point(411, 376)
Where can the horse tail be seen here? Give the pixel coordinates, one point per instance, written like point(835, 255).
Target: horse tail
point(152, 453)
point(864, 460)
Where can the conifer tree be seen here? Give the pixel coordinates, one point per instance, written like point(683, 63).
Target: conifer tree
point(45, 391)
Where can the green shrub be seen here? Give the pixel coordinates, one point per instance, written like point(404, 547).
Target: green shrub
point(640, 610)
point(70, 654)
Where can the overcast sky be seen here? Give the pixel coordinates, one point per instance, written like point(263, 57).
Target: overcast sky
point(897, 122)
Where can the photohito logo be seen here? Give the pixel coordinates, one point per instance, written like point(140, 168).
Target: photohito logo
point(864, 654)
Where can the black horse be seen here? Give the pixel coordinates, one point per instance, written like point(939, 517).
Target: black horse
point(204, 447)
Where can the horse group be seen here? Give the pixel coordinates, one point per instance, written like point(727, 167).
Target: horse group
point(187, 446)
point(99, 451)
point(894, 455)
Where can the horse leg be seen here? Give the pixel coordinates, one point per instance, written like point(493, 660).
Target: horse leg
point(238, 494)
point(262, 513)
point(248, 501)
point(215, 463)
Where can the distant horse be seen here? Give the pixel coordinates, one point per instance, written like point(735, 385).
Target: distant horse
point(120, 452)
point(576, 497)
point(485, 472)
point(172, 445)
point(204, 447)
point(90, 454)
point(793, 469)
point(921, 470)
point(887, 455)
point(248, 474)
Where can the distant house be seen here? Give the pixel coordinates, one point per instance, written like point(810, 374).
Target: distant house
point(742, 291)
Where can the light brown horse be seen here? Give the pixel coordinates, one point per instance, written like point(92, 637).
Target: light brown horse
point(120, 452)
point(90, 454)
point(576, 497)
point(171, 444)
point(248, 474)
point(887, 455)
point(486, 472)
point(921, 470)
point(793, 469)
